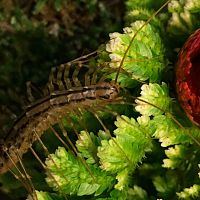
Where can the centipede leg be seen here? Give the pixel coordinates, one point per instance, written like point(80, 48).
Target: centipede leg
point(23, 178)
point(61, 140)
point(87, 76)
point(51, 81)
point(59, 77)
point(34, 195)
point(108, 132)
point(99, 120)
point(31, 98)
point(75, 150)
point(77, 83)
point(66, 79)
point(48, 171)
point(47, 152)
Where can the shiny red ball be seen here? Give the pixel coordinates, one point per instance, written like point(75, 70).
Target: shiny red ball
point(188, 77)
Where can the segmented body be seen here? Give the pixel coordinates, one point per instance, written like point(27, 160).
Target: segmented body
point(46, 112)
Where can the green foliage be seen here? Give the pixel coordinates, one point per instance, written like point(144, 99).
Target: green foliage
point(184, 18)
point(70, 175)
point(153, 153)
point(146, 50)
point(122, 154)
point(158, 98)
point(190, 193)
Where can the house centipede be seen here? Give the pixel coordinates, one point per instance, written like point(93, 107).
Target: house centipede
point(61, 99)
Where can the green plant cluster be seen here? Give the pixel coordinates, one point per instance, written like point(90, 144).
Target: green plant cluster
point(151, 154)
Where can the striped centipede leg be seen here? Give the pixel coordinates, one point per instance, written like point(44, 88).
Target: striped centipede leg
point(59, 77)
point(64, 132)
point(76, 82)
point(88, 80)
point(23, 177)
point(61, 140)
point(51, 82)
point(66, 79)
point(27, 176)
point(94, 76)
point(108, 132)
point(30, 96)
point(47, 151)
point(47, 170)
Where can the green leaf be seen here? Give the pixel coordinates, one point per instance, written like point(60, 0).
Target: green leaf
point(154, 99)
point(122, 154)
point(190, 193)
point(145, 58)
point(87, 189)
point(46, 196)
point(87, 146)
point(71, 175)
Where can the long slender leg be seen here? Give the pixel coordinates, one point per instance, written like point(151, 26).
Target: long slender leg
point(107, 131)
point(66, 78)
point(47, 152)
point(51, 81)
point(47, 170)
point(59, 77)
point(61, 140)
point(75, 150)
point(31, 98)
point(23, 176)
point(77, 83)
point(28, 178)
point(87, 76)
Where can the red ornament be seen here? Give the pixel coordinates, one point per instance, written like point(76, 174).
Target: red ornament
point(188, 77)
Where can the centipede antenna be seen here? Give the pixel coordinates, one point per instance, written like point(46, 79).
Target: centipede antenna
point(75, 150)
point(27, 177)
point(47, 170)
point(66, 79)
point(83, 57)
point(76, 82)
point(134, 36)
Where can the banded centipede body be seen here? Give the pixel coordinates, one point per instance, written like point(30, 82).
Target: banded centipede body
point(50, 110)
point(67, 95)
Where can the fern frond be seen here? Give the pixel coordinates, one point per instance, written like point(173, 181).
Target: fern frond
point(190, 193)
point(74, 177)
point(122, 154)
point(145, 58)
point(155, 98)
